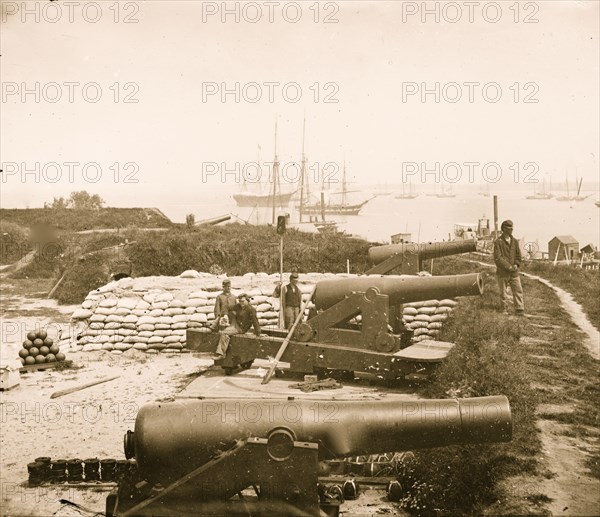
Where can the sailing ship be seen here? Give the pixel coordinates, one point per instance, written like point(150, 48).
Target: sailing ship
point(577, 197)
point(446, 192)
point(261, 199)
point(407, 195)
point(542, 193)
point(329, 208)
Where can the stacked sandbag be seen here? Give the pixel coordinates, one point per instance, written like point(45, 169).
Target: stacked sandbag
point(425, 319)
point(152, 314)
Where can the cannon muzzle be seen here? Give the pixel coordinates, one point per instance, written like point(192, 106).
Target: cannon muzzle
point(427, 250)
point(400, 289)
point(172, 439)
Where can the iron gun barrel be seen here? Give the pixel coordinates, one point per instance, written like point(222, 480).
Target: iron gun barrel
point(400, 289)
point(172, 439)
point(427, 250)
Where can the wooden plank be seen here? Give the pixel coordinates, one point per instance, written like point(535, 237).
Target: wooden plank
point(60, 393)
point(427, 351)
point(59, 365)
point(284, 345)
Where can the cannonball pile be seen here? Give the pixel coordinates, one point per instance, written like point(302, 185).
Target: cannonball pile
point(425, 319)
point(39, 348)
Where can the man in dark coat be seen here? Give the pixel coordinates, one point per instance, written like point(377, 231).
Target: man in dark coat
point(242, 318)
point(507, 256)
point(291, 298)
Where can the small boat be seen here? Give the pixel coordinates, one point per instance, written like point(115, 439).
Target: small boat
point(577, 197)
point(407, 195)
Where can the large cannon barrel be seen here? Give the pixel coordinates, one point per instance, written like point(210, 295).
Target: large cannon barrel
point(400, 289)
point(172, 439)
point(425, 250)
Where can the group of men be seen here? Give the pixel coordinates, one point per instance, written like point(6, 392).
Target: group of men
point(237, 316)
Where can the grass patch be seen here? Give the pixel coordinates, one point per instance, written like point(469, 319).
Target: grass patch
point(487, 360)
point(583, 284)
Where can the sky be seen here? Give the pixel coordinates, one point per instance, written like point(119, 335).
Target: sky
point(162, 127)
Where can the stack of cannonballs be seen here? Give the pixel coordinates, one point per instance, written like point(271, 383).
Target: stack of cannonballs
point(425, 319)
point(39, 348)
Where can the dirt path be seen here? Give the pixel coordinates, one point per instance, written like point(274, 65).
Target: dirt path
point(574, 310)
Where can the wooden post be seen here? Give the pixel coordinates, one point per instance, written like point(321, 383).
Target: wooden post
point(281, 288)
point(495, 216)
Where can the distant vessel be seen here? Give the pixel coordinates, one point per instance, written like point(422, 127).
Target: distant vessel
point(407, 195)
point(446, 192)
point(260, 199)
point(577, 197)
point(329, 208)
point(542, 193)
point(486, 192)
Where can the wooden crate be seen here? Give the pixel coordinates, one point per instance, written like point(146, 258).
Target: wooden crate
point(58, 365)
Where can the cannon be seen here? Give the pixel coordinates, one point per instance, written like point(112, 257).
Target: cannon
point(409, 256)
point(194, 456)
point(331, 339)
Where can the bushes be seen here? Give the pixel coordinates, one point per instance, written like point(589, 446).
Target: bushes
point(81, 278)
point(14, 242)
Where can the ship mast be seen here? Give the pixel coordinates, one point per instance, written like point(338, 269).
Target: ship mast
point(303, 172)
point(275, 177)
point(344, 185)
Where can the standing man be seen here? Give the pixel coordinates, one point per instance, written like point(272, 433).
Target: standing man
point(507, 257)
point(291, 300)
point(242, 317)
point(223, 304)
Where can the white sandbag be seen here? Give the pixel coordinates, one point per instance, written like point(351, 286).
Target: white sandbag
point(176, 304)
point(180, 325)
point(442, 309)
point(196, 302)
point(112, 325)
point(173, 312)
point(263, 307)
point(107, 346)
point(171, 339)
point(116, 352)
point(160, 305)
point(174, 346)
point(155, 339)
point(155, 313)
point(127, 303)
point(408, 319)
point(198, 318)
point(92, 347)
point(424, 337)
point(439, 317)
point(427, 310)
point(163, 333)
point(409, 311)
point(270, 314)
point(199, 294)
point(152, 351)
point(181, 318)
point(448, 303)
point(156, 346)
point(147, 319)
point(123, 347)
point(166, 320)
point(97, 325)
point(106, 311)
point(418, 325)
point(116, 339)
point(205, 310)
point(122, 311)
point(423, 317)
point(89, 304)
point(435, 325)
point(125, 332)
point(113, 318)
point(142, 305)
point(146, 333)
point(163, 297)
point(131, 318)
point(81, 314)
point(431, 303)
point(140, 346)
point(189, 310)
point(416, 305)
point(421, 332)
point(190, 273)
point(140, 312)
point(260, 298)
point(146, 326)
point(179, 332)
point(97, 318)
point(108, 302)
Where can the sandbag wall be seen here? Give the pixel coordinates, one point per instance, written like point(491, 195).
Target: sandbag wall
point(425, 319)
point(152, 314)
